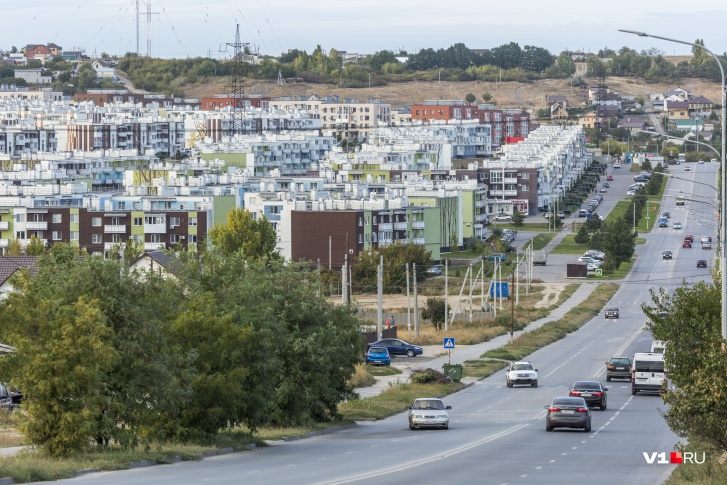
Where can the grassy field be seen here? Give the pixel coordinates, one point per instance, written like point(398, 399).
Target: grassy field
point(568, 246)
point(712, 472)
point(623, 206)
point(619, 274)
point(540, 240)
point(393, 400)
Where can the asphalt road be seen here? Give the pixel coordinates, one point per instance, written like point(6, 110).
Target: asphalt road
point(497, 435)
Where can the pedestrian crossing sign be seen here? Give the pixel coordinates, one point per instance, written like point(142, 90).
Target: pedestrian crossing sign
point(598, 272)
point(449, 343)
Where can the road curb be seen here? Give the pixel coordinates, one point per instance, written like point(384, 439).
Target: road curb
point(330, 430)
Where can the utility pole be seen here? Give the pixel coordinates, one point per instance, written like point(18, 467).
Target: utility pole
point(446, 295)
point(344, 280)
point(380, 285)
point(416, 302)
point(329, 252)
point(408, 304)
point(512, 311)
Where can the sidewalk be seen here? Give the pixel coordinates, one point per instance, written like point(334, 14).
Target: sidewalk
point(462, 353)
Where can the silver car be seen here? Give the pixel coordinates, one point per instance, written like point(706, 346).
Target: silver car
point(428, 412)
point(568, 412)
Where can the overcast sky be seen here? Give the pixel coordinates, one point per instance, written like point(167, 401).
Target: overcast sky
point(192, 28)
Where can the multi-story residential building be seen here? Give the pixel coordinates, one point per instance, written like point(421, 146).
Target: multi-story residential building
point(221, 101)
point(11, 91)
point(33, 76)
point(347, 118)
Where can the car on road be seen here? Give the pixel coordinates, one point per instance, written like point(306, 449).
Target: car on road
point(378, 355)
point(618, 368)
point(616, 165)
point(502, 217)
point(663, 222)
point(687, 169)
point(521, 373)
point(494, 256)
point(398, 347)
point(647, 372)
point(666, 214)
point(606, 184)
point(611, 312)
point(592, 391)
point(666, 255)
point(701, 162)
point(689, 237)
point(687, 244)
point(604, 189)
point(677, 225)
point(428, 412)
point(561, 215)
point(568, 412)
point(701, 263)
point(582, 213)
point(609, 178)
point(680, 201)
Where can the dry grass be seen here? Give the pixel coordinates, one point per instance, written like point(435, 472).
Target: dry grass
point(9, 436)
point(362, 377)
point(393, 400)
point(482, 367)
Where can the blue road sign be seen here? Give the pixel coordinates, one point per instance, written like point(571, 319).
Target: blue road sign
point(449, 343)
point(598, 272)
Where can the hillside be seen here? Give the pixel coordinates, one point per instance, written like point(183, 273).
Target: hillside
point(507, 94)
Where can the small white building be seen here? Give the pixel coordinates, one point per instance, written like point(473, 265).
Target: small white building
point(33, 76)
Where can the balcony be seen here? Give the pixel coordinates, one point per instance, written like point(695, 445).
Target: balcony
point(479, 203)
point(500, 193)
point(155, 228)
point(36, 226)
point(480, 217)
point(418, 240)
point(400, 226)
point(510, 180)
point(4, 226)
point(153, 246)
point(4, 243)
point(417, 225)
point(386, 226)
point(114, 229)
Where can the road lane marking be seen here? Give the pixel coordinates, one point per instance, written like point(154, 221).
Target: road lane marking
point(564, 454)
point(569, 359)
point(538, 467)
point(621, 350)
point(574, 448)
point(552, 461)
point(426, 460)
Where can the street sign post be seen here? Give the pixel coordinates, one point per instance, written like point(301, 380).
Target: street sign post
point(449, 345)
point(598, 272)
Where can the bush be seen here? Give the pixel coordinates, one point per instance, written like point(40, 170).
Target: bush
point(429, 376)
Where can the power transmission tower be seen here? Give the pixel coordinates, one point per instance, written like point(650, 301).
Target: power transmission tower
point(237, 90)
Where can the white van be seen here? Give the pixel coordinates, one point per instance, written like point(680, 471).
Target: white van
point(648, 372)
point(658, 347)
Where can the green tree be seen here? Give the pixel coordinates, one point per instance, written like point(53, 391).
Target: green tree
point(35, 247)
point(254, 237)
point(487, 96)
point(618, 241)
point(646, 165)
point(582, 237)
point(396, 256)
point(435, 312)
point(470, 98)
point(518, 218)
point(15, 248)
point(691, 328)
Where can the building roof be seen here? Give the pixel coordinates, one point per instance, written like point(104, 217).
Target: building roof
point(632, 122)
point(556, 99)
point(677, 105)
point(10, 264)
point(699, 100)
point(165, 259)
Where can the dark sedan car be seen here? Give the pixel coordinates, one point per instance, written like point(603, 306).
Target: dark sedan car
point(618, 368)
point(568, 412)
point(666, 255)
point(701, 263)
point(592, 391)
point(398, 347)
point(611, 312)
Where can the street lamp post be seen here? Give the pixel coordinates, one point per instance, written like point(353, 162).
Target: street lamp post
point(723, 221)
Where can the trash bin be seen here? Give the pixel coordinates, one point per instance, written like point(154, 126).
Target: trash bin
point(453, 371)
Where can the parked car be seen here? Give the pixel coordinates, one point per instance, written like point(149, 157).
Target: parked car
point(609, 178)
point(631, 192)
point(428, 412)
point(398, 347)
point(568, 412)
point(521, 373)
point(592, 266)
point(619, 368)
point(677, 225)
point(434, 271)
point(701, 162)
point(582, 213)
point(548, 215)
point(502, 217)
point(592, 391)
point(561, 215)
point(701, 263)
point(494, 256)
point(6, 398)
point(666, 255)
point(378, 355)
point(612, 312)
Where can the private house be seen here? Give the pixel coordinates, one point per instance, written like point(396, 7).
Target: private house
point(588, 120)
point(9, 265)
point(103, 69)
point(38, 52)
point(558, 112)
point(33, 76)
point(700, 106)
point(633, 123)
point(165, 264)
point(561, 100)
point(677, 110)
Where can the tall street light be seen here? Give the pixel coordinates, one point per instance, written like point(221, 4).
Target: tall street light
point(723, 220)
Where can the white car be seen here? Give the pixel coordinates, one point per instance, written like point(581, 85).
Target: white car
point(616, 165)
point(701, 162)
point(521, 373)
point(677, 225)
point(588, 259)
point(592, 266)
point(428, 412)
point(631, 192)
point(503, 217)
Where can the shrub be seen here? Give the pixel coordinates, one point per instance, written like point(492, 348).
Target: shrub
point(429, 376)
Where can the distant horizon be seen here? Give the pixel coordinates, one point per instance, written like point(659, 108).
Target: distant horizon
point(186, 28)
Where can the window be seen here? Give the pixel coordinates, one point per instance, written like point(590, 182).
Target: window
point(37, 217)
point(57, 235)
point(525, 176)
point(57, 218)
point(174, 221)
point(155, 238)
point(138, 221)
point(74, 235)
point(193, 238)
point(374, 219)
point(360, 221)
point(122, 205)
point(360, 238)
point(116, 238)
point(74, 218)
point(96, 221)
point(525, 187)
point(20, 218)
point(20, 234)
point(192, 221)
point(154, 220)
point(96, 238)
point(174, 238)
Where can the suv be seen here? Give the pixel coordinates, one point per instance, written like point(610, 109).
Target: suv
point(687, 243)
point(502, 217)
point(612, 312)
point(680, 200)
point(618, 367)
point(521, 373)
